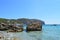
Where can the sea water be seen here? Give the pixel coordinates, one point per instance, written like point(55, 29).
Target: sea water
point(47, 33)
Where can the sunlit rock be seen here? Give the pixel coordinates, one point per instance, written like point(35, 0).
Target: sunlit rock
point(34, 27)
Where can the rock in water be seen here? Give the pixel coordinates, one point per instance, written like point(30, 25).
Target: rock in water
point(34, 27)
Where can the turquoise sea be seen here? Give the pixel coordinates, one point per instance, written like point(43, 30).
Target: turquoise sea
point(48, 33)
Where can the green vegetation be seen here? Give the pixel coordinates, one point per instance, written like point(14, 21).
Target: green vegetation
point(20, 21)
point(3, 20)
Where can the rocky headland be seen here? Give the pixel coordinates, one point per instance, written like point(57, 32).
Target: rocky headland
point(16, 25)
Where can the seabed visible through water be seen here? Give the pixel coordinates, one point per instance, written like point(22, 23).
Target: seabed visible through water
point(47, 33)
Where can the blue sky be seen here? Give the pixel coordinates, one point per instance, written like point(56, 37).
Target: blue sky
point(46, 10)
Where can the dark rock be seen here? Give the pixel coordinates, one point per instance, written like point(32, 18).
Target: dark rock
point(14, 28)
point(32, 24)
point(34, 27)
point(11, 28)
point(3, 27)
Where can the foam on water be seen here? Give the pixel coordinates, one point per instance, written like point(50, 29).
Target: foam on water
point(47, 33)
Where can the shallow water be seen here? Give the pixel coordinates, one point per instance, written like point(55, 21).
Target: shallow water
point(47, 33)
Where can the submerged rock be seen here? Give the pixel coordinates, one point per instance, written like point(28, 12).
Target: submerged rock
point(1, 36)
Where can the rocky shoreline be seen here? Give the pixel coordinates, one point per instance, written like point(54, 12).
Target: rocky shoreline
point(7, 36)
point(13, 25)
point(14, 28)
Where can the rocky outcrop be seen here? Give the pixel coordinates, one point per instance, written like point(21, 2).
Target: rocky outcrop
point(14, 28)
point(32, 24)
point(34, 27)
point(3, 27)
point(11, 28)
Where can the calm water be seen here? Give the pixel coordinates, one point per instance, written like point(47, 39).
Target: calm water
point(47, 33)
